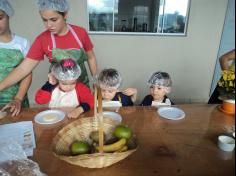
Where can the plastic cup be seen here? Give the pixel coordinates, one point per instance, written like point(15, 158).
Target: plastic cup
point(226, 143)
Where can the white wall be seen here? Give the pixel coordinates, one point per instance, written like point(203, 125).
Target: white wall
point(189, 60)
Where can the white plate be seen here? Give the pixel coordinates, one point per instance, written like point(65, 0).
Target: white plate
point(49, 117)
point(171, 113)
point(112, 115)
point(109, 104)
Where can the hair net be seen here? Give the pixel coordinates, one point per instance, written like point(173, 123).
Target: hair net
point(160, 79)
point(66, 70)
point(110, 78)
point(6, 7)
point(57, 5)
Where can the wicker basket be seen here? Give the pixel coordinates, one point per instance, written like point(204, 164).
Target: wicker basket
point(80, 130)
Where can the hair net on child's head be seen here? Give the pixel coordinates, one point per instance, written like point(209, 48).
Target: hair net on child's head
point(6, 7)
point(66, 70)
point(57, 5)
point(110, 78)
point(160, 79)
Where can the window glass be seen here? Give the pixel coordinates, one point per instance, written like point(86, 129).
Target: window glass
point(138, 16)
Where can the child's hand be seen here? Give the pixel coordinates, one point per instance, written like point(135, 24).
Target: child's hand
point(51, 79)
point(131, 92)
point(75, 113)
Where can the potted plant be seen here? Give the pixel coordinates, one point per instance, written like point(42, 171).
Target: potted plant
point(226, 87)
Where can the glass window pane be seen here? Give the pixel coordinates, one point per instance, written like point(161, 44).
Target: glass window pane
point(142, 16)
point(132, 16)
point(101, 15)
point(175, 12)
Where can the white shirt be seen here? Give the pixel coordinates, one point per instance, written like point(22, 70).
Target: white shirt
point(18, 43)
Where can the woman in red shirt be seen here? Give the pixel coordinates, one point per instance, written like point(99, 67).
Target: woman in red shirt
point(60, 40)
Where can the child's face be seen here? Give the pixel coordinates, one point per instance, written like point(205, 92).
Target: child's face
point(4, 22)
point(67, 86)
point(158, 92)
point(108, 93)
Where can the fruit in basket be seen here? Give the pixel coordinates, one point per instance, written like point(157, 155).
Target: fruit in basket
point(94, 135)
point(132, 143)
point(123, 149)
point(80, 147)
point(118, 145)
point(122, 131)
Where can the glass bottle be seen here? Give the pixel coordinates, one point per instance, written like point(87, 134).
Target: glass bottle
point(135, 27)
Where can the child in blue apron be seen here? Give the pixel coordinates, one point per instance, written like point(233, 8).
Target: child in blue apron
point(109, 80)
point(160, 85)
point(13, 48)
point(60, 41)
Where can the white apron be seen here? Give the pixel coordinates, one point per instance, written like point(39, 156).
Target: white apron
point(63, 99)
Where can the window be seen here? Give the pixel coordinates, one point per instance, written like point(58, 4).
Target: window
point(138, 16)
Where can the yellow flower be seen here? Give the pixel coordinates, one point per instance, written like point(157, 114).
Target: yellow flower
point(231, 84)
point(220, 83)
point(225, 77)
point(233, 77)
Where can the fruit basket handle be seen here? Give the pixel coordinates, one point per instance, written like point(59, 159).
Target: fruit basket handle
point(100, 118)
point(95, 102)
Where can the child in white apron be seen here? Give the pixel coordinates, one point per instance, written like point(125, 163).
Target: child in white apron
point(109, 80)
point(160, 85)
point(69, 94)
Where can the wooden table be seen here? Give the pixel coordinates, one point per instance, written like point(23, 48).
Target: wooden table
point(186, 147)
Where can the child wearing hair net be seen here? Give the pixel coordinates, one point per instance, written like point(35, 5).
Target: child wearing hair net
point(160, 85)
point(109, 80)
point(68, 93)
point(13, 49)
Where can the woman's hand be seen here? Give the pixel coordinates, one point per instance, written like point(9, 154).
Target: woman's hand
point(51, 79)
point(75, 113)
point(14, 106)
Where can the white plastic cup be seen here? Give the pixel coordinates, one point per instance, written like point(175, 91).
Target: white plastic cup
point(226, 143)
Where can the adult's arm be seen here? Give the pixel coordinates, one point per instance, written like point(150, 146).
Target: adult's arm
point(224, 60)
point(92, 62)
point(24, 87)
point(20, 72)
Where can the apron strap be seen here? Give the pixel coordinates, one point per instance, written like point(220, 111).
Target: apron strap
point(53, 41)
point(74, 35)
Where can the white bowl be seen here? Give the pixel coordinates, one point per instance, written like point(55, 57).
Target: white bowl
point(226, 143)
point(112, 115)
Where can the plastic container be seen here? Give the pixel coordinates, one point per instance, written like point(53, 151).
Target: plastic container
point(226, 143)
